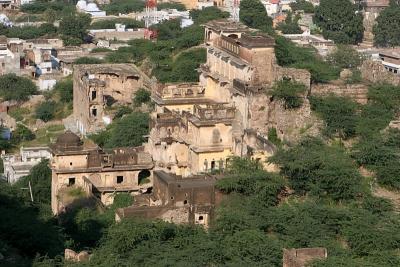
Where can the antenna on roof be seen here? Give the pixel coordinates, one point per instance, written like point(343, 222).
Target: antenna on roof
point(150, 18)
point(235, 10)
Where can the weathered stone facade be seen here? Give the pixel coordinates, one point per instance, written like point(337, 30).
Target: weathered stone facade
point(97, 87)
point(97, 172)
point(356, 92)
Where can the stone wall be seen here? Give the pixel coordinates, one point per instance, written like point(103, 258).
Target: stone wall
point(374, 72)
point(357, 92)
point(300, 75)
point(266, 112)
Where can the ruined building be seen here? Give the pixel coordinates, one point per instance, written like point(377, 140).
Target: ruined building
point(196, 128)
point(97, 172)
point(99, 86)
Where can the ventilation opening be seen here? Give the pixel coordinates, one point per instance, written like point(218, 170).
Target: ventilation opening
point(120, 179)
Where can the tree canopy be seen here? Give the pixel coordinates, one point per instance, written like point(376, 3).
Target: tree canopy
point(253, 14)
point(290, 92)
point(387, 28)
point(13, 87)
point(302, 5)
point(340, 21)
point(73, 28)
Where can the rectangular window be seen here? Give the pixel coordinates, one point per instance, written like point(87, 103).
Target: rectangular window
point(94, 95)
point(71, 181)
point(120, 179)
point(94, 112)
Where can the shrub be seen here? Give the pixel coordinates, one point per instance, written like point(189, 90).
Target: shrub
point(45, 111)
point(290, 92)
point(13, 87)
point(142, 96)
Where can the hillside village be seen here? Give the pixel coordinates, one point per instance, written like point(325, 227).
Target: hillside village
point(201, 133)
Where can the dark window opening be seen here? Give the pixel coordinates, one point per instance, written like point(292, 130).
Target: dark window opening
point(201, 218)
point(172, 198)
point(70, 164)
point(94, 95)
point(120, 179)
point(185, 202)
point(71, 181)
point(213, 165)
point(94, 112)
point(143, 177)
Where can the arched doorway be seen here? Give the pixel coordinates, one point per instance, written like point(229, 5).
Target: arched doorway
point(144, 177)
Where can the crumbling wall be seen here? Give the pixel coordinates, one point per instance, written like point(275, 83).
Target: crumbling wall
point(300, 75)
point(374, 72)
point(357, 92)
point(266, 112)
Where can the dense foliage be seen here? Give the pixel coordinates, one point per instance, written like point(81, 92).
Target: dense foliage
point(345, 57)
point(387, 28)
point(339, 114)
point(324, 171)
point(207, 14)
point(253, 14)
point(292, 93)
point(73, 28)
point(290, 25)
point(29, 32)
point(171, 5)
point(290, 55)
point(13, 87)
point(302, 5)
point(340, 21)
point(22, 133)
point(64, 88)
point(142, 96)
point(123, 6)
point(126, 131)
point(45, 111)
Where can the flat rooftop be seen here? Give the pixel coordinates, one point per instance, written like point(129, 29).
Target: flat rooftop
point(119, 69)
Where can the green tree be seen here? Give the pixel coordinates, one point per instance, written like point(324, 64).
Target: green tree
point(387, 28)
point(50, 15)
point(290, 25)
point(339, 21)
point(22, 133)
point(338, 113)
point(322, 170)
point(303, 5)
point(13, 87)
point(290, 92)
point(88, 60)
point(40, 179)
point(73, 28)
point(64, 88)
point(200, 16)
point(45, 111)
point(253, 14)
point(344, 56)
point(142, 96)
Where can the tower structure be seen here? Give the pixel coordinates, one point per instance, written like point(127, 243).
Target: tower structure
point(150, 18)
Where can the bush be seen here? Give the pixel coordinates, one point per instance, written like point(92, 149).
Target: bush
point(21, 134)
point(339, 114)
point(88, 60)
point(45, 111)
point(303, 5)
point(322, 170)
point(345, 57)
point(206, 14)
point(13, 87)
point(290, 92)
point(142, 96)
point(171, 5)
point(124, 6)
point(64, 88)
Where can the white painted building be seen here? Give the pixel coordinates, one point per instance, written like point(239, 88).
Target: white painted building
point(19, 165)
point(90, 8)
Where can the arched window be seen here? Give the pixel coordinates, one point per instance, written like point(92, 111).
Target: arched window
point(143, 177)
